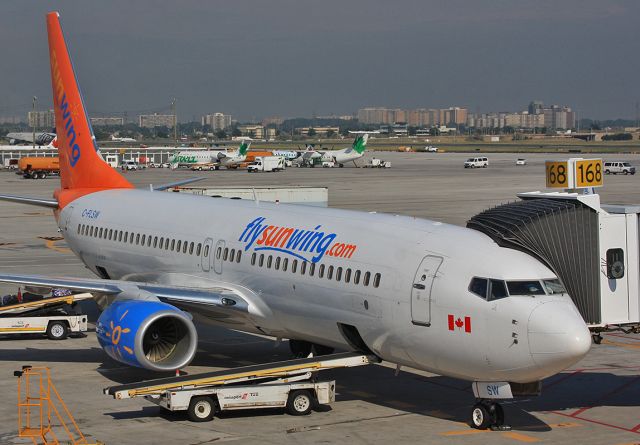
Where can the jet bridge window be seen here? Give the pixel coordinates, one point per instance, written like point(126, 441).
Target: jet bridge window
point(479, 287)
point(525, 288)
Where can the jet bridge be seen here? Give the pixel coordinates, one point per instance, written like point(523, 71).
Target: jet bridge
point(592, 248)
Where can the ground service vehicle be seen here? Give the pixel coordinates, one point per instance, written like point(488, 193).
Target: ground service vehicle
point(39, 167)
point(267, 164)
point(617, 167)
point(521, 161)
point(480, 162)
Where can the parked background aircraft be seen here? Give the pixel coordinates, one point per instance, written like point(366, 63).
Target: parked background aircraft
point(42, 138)
point(433, 296)
point(122, 139)
point(232, 159)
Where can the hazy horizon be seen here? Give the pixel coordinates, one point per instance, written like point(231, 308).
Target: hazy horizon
point(295, 58)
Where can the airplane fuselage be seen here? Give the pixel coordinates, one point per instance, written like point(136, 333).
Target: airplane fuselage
point(399, 284)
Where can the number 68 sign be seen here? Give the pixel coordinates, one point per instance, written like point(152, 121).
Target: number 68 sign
point(574, 173)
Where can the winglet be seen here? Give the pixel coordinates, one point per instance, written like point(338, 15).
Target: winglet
point(82, 169)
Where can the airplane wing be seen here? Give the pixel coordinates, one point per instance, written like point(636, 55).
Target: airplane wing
point(220, 300)
point(158, 188)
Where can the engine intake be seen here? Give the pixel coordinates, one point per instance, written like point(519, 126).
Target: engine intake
point(147, 334)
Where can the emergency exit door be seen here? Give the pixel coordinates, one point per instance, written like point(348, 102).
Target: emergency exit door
point(421, 290)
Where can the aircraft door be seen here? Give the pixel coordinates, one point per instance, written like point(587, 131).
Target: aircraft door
point(217, 256)
point(205, 259)
point(421, 290)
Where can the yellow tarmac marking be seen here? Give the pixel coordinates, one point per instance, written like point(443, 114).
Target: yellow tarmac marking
point(622, 345)
point(520, 437)
point(51, 244)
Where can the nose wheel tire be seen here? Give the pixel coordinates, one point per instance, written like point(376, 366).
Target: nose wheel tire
point(201, 409)
point(487, 414)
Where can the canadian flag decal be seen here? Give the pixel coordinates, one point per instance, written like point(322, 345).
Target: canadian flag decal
point(459, 323)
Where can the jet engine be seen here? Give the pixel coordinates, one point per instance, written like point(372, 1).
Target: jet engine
point(147, 334)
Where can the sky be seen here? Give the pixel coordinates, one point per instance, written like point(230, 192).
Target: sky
point(258, 58)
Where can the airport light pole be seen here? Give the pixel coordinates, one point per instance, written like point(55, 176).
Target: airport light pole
point(175, 121)
point(33, 120)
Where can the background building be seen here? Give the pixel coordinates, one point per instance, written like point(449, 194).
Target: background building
point(157, 120)
point(42, 119)
point(252, 130)
point(217, 121)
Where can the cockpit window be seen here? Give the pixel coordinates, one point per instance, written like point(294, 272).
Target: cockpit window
point(479, 286)
point(498, 290)
point(525, 288)
point(554, 287)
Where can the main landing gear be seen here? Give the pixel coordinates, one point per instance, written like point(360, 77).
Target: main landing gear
point(488, 414)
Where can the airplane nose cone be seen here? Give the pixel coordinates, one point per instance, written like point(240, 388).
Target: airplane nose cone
point(558, 336)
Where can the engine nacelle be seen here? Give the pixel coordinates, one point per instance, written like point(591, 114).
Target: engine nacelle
point(147, 334)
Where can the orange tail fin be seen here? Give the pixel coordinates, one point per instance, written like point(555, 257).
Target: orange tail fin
point(82, 169)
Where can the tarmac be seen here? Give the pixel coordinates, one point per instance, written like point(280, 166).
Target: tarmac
point(594, 402)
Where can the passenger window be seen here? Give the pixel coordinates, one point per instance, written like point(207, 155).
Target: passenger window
point(338, 273)
point(321, 271)
point(149, 241)
point(184, 247)
point(376, 280)
point(277, 263)
point(100, 233)
point(330, 272)
point(347, 275)
point(238, 255)
point(269, 261)
point(144, 237)
point(198, 249)
point(261, 260)
point(155, 242)
point(137, 239)
point(161, 242)
point(178, 246)
point(367, 277)
point(78, 229)
point(232, 255)
point(120, 235)
point(303, 267)
point(285, 263)
point(356, 277)
point(218, 252)
point(173, 245)
point(312, 269)
point(191, 244)
point(253, 258)
point(478, 286)
point(226, 254)
point(294, 266)
point(498, 290)
point(110, 234)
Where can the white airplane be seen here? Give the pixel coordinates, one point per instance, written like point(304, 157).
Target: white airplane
point(207, 159)
point(232, 159)
point(122, 139)
point(339, 157)
point(414, 292)
point(42, 138)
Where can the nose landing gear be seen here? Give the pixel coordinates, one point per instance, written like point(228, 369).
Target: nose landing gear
point(488, 414)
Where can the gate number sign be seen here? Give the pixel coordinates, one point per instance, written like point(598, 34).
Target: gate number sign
point(574, 173)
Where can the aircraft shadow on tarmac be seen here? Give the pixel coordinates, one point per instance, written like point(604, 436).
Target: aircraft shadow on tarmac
point(434, 396)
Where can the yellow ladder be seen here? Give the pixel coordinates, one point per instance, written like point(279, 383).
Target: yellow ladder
point(41, 411)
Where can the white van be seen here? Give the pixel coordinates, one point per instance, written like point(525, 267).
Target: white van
point(616, 167)
point(129, 165)
point(476, 162)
